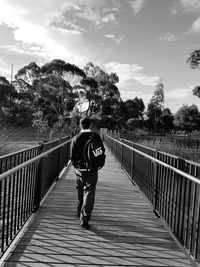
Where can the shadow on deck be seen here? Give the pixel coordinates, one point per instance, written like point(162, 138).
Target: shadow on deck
point(124, 231)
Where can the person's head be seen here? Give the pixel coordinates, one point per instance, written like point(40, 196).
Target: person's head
point(85, 123)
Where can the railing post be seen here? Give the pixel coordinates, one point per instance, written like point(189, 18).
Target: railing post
point(58, 162)
point(155, 183)
point(122, 154)
point(132, 160)
point(38, 183)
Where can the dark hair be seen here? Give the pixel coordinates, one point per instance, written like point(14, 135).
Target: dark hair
point(85, 123)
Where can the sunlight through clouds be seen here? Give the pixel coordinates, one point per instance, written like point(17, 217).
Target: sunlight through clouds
point(129, 72)
point(140, 40)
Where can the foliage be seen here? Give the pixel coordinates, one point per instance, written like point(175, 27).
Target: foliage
point(7, 96)
point(196, 91)
point(51, 94)
point(166, 121)
point(53, 102)
point(194, 59)
point(28, 73)
point(101, 91)
point(135, 123)
point(69, 72)
point(155, 108)
point(187, 118)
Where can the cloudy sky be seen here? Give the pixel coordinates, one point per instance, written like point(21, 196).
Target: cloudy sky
point(142, 40)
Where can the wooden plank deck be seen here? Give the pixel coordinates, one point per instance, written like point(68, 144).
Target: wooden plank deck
point(124, 231)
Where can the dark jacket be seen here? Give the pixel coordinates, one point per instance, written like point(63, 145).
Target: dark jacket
point(77, 147)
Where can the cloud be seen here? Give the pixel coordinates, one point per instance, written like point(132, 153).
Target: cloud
point(38, 26)
point(99, 13)
point(169, 37)
point(137, 5)
point(112, 36)
point(175, 98)
point(189, 6)
point(196, 26)
point(131, 94)
point(129, 72)
point(66, 26)
point(178, 93)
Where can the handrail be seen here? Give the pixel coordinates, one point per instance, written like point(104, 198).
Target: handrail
point(173, 193)
point(24, 164)
point(186, 175)
point(17, 152)
point(163, 152)
point(23, 186)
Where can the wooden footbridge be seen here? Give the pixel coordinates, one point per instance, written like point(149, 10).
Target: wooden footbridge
point(124, 230)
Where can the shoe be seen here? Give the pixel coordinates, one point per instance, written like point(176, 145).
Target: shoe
point(85, 225)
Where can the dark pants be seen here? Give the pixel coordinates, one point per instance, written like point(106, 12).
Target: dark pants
point(86, 187)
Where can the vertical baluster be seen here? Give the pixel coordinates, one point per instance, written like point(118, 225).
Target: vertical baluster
point(13, 184)
point(4, 216)
point(195, 219)
point(19, 200)
point(1, 208)
point(23, 194)
point(8, 209)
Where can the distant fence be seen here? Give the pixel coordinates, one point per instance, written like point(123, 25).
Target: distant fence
point(174, 194)
point(25, 179)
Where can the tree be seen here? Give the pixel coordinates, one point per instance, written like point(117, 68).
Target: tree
point(7, 96)
point(135, 123)
point(47, 92)
point(166, 121)
point(90, 92)
point(134, 108)
point(28, 73)
point(155, 107)
point(194, 59)
point(69, 72)
point(54, 100)
point(187, 118)
point(107, 92)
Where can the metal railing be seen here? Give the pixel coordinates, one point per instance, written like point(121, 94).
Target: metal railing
point(174, 194)
point(185, 165)
point(179, 142)
point(23, 187)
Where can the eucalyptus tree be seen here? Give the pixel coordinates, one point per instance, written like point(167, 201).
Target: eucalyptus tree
point(106, 95)
point(50, 88)
point(7, 96)
point(155, 107)
point(69, 72)
point(54, 100)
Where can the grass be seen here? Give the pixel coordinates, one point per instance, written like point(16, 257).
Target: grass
point(172, 148)
point(7, 148)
